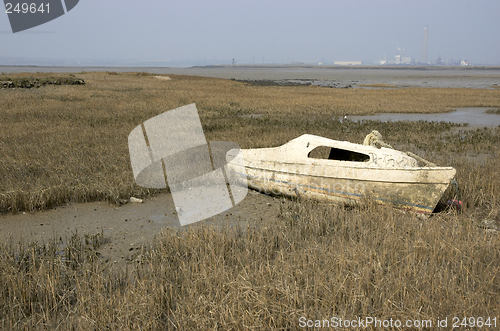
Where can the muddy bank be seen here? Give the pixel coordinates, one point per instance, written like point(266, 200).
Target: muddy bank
point(296, 82)
point(129, 227)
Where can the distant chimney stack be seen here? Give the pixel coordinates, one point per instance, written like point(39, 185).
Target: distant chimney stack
point(424, 53)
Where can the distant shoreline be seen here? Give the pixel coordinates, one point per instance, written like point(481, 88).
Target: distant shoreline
point(384, 67)
point(334, 76)
point(261, 66)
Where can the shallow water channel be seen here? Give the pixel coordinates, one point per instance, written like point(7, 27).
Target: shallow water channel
point(476, 117)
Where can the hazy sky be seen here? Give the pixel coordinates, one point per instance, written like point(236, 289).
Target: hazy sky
point(257, 30)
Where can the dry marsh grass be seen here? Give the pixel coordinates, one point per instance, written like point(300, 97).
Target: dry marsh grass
point(69, 143)
point(318, 261)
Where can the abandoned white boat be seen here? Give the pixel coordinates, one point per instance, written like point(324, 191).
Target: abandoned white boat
point(339, 171)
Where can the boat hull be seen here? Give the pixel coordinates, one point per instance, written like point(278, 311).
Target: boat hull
point(421, 197)
point(351, 174)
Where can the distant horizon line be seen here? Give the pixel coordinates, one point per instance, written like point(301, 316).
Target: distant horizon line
point(23, 61)
point(274, 65)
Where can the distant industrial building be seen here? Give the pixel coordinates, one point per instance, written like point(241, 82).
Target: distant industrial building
point(402, 59)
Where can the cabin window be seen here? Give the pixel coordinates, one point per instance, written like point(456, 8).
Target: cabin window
point(330, 153)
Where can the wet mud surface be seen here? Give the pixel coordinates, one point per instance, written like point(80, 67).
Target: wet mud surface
point(297, 82)
point(129, 227)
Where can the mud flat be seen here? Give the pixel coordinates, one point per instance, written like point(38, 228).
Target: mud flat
point(128, 227)
point(404, 76)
